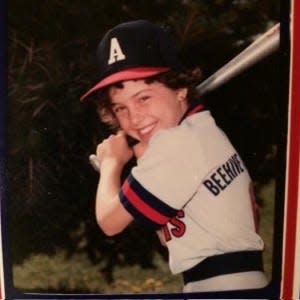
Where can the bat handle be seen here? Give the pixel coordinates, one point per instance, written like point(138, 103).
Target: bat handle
point(94, 160)
point(131, 141)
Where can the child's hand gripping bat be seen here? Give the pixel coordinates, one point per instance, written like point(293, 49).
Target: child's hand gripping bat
point(94, 160)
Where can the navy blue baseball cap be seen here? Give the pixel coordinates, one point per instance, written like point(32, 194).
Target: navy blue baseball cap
point(134, 50)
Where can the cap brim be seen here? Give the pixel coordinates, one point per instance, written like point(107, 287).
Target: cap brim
point(129, 74)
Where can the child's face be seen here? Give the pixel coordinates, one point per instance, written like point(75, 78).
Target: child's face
point(142, 109)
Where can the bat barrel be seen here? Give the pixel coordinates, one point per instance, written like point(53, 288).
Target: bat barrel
point(259, 49)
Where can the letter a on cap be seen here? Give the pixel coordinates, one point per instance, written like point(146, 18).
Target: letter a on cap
point(116, 53)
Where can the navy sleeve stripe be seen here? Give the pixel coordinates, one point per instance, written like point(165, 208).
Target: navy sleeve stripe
point(143, 205)
point(137, 215)
point(154, 202)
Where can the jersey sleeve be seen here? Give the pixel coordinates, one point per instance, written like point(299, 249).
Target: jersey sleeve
point(144, 206)
point(164, 180)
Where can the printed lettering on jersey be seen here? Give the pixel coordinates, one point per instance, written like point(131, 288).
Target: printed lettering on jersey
point(175, 227)
point(224, 175)
point(116, 53)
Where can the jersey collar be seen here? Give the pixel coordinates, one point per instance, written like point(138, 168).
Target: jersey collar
point(193, 108)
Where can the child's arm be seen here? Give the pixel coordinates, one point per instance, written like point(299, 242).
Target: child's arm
point(112, 155)
point(111, 216)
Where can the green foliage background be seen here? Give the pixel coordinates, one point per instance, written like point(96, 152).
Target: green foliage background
point(51, 62)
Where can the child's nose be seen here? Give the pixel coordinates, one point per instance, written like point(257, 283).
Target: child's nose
point(136, 116)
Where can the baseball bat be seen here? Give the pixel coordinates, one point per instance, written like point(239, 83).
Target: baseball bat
point(265, 45)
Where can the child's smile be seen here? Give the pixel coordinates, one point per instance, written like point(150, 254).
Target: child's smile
point(142, 109)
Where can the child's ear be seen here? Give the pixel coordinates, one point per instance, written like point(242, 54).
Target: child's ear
point(182, 94)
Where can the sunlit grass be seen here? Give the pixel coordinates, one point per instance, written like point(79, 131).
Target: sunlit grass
point(266, 223)
point(59, 274)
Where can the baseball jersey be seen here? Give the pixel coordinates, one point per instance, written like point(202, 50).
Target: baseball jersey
point(192, 184)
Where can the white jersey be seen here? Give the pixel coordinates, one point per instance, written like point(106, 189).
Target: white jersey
point(192, 183)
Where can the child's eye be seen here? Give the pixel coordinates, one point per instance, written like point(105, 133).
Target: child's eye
point(118, 109)
point(144, 98)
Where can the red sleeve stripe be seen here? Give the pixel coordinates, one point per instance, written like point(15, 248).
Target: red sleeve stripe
point(143, 207)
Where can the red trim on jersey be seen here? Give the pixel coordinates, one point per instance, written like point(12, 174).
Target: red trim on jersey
point(196, 109)
point(143, 207)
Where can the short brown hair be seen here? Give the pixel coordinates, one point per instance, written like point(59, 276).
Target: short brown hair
point(172, 79)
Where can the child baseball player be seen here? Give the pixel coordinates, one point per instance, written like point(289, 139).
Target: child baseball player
point(190, 184)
